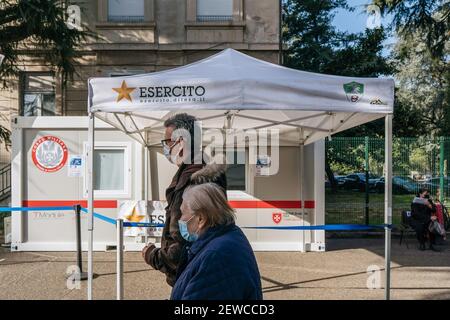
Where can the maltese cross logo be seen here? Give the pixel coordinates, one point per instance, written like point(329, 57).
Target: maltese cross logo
point(276, 217)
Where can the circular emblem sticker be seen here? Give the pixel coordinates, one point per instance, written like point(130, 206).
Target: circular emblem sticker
point(49, 153)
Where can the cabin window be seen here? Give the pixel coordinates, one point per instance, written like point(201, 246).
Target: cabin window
point(112, 169)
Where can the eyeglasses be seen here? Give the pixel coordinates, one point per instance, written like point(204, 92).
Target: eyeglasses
point(165, 142)
point(187, 221)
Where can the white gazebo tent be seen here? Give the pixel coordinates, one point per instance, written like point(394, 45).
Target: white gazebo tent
point(233, 90)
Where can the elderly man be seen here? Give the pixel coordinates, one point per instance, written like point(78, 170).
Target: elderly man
point(179, 150)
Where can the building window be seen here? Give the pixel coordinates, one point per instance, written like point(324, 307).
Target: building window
point(236, 170)
point(112, 169)
point(38, 97)
point(214, 10)
point(126, 11)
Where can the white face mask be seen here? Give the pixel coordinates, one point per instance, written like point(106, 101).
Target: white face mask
point(173, 158)
point(166, 151)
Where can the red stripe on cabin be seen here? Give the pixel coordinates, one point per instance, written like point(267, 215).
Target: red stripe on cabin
point(236, 204)
point(109, 204)
point(270, 204)
point(310, 204)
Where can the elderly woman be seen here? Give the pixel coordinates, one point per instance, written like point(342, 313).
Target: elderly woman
point(218, 261)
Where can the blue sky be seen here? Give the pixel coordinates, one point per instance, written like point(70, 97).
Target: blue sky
point(356, 21)
point(352, 21)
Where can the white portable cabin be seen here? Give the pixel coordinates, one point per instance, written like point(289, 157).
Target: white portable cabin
point(258, 200)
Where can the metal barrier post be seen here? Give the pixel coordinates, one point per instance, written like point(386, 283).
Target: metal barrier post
point(80, 275)
point(366, 183)
point(77, 209)
point(119, 279)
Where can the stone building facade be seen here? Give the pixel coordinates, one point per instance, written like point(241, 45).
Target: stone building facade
point(141, 36)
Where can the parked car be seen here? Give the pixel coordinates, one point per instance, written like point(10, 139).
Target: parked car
point(400, 185)
point(339, 180)
point(433, 184)
point(425, 177)
point(357, 181)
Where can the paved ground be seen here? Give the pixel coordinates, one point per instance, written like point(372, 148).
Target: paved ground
point(339, 273)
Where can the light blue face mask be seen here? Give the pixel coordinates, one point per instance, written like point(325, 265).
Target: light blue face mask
point(191, 237)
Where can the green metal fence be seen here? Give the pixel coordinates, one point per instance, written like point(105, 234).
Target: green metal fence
point(357, 193)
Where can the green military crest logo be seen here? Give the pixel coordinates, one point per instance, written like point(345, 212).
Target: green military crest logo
point(354, 91)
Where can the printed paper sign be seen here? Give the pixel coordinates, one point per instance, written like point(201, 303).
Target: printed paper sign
point(75, 166)
point(157, 214)
point(263, 165)
point(140, 211)
point(133, 211)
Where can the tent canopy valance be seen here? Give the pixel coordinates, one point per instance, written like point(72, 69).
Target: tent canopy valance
point(255, 94)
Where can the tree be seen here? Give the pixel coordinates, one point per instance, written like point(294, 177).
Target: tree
point(423, 83)
point(421, 60)
point(431, 18)
point(314, 44)
point(408, 120)
point(309, 34)
point(40, 27)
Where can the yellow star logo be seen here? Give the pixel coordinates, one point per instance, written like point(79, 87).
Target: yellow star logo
point(124, 92)
point(135, 216)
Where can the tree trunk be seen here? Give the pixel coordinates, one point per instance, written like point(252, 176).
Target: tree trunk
point(330, 175)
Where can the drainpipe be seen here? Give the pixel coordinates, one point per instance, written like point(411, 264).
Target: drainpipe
point(280, 30)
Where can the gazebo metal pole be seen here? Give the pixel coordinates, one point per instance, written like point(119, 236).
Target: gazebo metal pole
point(388, 203)
point(146, 179)
point(91, 133)
point(301, 175)
point(119, 259)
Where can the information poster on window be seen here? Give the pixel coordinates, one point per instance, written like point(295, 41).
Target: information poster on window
point(263, 165)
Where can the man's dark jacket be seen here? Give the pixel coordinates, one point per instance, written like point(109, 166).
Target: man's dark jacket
point(420, 212)
point(167, 258)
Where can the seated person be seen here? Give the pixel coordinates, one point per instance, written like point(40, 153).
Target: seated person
point(422, 213)
point(440, 208)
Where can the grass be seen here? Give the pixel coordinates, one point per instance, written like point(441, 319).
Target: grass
point(349, 207)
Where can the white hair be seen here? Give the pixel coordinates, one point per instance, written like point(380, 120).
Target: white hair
point(209, 201)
